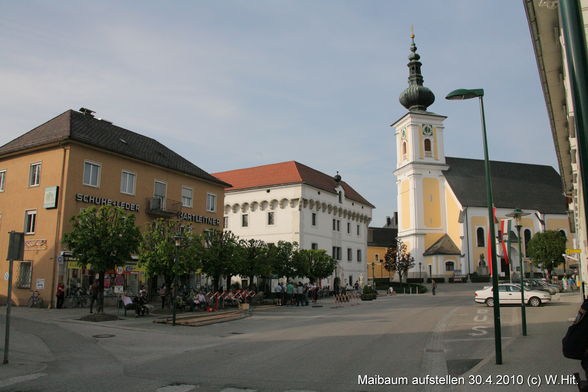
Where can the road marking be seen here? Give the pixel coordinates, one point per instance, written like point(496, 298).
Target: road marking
point(474, 339)
point(482, 319)
point(238, 390)
point(16, 380)
point(176, 388)
point(480, 329)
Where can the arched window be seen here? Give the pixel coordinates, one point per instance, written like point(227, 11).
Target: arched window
point(449, 266)
point(481, 241)
point(527, 235)
point(428, 152)
point(403, 150)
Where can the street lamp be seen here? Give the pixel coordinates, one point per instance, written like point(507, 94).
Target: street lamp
point(373, 274)
point(420, 264)
point(517, 214)
point(479, 93)
point(177, 241)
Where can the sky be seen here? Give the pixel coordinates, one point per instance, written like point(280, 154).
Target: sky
point(238, 83)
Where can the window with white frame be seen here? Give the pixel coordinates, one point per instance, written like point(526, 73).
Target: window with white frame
point(30, 221)
point(245, 220)
point(348, 227)
point(449, 266)
point(314, 219)
point(186, 197)
point(210, 202)
point(35, 174)
point(127, 182)
point(314, 246)
point(358, 230)
point(270, 218)
point(91, 173)
point(349, 254)
point(359, 255)
point(2, 180)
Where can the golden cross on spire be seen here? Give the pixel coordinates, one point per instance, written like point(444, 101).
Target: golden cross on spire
point(412, 31)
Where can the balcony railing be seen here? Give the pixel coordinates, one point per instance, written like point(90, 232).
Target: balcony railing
point(163, 207)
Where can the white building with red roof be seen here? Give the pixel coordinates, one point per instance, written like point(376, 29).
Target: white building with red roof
point(292, 202)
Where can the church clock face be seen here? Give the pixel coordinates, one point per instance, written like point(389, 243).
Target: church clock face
point(427, 130)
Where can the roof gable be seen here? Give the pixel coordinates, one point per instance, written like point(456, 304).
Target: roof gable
point(443, 246)
point(284, 173)
point(86, 129)
point(514, 185)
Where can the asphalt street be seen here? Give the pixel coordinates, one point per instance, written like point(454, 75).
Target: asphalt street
point(327, 348)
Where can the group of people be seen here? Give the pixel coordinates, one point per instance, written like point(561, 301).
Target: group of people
point(569, 283)
point(291, 294)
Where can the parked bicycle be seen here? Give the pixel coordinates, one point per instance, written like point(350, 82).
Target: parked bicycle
point(78, 298)
point(35, 300)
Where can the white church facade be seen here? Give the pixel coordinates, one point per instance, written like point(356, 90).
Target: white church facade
point(292, 202)
point(442, 209)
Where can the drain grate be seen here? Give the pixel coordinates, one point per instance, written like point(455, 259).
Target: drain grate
point(103, 336)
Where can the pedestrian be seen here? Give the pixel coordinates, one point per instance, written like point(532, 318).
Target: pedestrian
point(299, 293)
point(278, 290)
point(60, 294)
point(433, 286)
point(289, 293)
point(575, 342)
point(163, 293)
point(94, 294)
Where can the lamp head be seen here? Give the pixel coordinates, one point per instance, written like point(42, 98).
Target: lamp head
point(464, 93)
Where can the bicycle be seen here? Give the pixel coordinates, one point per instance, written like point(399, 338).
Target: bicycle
point(35, 300)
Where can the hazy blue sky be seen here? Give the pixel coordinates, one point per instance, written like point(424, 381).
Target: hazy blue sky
point(233, 84)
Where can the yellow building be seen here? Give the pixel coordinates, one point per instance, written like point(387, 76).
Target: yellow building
point(443, 216)
point(74, 161)
point(379, 240)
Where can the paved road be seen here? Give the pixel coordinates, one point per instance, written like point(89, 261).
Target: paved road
point(286, 349)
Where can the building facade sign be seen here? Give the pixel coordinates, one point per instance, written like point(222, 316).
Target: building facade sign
point(50, 198)
point(199, 218)
point(102, 201)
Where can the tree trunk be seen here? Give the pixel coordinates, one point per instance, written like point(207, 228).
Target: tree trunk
point(100, 299)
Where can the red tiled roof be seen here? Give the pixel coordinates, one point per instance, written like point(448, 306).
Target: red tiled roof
point(283, 173)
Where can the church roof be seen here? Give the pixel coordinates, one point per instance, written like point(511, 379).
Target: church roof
point(443, 246)
point(514, 185)
point(84, 128)
point(286, 173)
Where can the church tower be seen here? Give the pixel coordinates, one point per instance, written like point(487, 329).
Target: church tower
point(420, 160)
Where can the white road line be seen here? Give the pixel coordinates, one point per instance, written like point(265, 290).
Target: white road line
point(474, 339)
point(19, 379)
point(176, 388)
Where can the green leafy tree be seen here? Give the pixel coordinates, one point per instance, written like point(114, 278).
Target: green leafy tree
point(104, 238)
point(398, 260)
point(546, 249)
point(315, 264)
point(281, 256)
point(253, 260)
point(219, 255)
point(159, 250)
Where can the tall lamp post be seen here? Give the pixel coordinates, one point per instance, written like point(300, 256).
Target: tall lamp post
point(174, 282)
point(373, 274)
point(517, 214)
point(420, 264)
point(461, 94)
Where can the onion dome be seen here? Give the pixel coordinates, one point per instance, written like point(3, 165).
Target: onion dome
point(416, 96)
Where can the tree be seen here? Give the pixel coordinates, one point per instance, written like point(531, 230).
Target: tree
point(104, 238)
point(280, 257)
point(314, 264)
point(399, 260)
point(219, 254)
point(253, 260)
point(546, 249)
point(159, 251)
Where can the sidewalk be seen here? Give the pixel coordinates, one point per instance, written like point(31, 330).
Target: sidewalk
point(531, 362)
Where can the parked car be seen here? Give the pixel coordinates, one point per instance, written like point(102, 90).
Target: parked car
point(509, 293)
